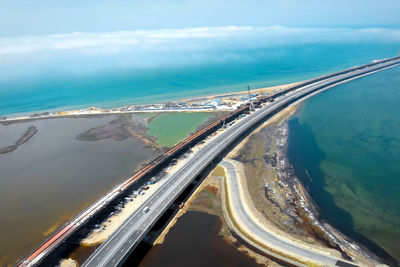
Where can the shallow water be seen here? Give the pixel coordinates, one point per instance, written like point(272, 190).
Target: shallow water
point(171, 128)
point(48, 179)
point(194, 241)
point(345, 145)
point(55, 90)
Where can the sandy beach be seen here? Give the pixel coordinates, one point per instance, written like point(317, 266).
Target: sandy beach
point(269, 222)
point(240, 93)
point(106, 228)
point(232, 98)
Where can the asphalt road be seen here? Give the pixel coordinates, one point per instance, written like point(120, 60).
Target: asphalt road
point(118, 246)
point(261, 233)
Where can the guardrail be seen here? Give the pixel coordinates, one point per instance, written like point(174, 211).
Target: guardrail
point(216, 147)
point(38, 254)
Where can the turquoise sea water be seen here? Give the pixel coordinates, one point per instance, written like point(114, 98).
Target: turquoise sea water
point(345, 146)
point(54, 89)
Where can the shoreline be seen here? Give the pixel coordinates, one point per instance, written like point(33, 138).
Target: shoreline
point(346, 243)
point(208, 199)
point(132, 203)
point(304, 201)
point(205, 103)
point(321, 229)
point(196, 203)
point(348, 239)
point(244, 92)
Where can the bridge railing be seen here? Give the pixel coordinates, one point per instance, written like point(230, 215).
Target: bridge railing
point(149, 167)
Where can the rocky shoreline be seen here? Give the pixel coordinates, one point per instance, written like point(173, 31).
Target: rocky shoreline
point(298, 212)
point(28, 134)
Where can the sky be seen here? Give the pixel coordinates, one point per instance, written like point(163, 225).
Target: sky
point(70, 42)
point(41, 17)
point(78, 37)
point(85, 52)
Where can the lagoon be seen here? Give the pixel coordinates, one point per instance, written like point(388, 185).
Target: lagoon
point(171, 128)
point(53, 176)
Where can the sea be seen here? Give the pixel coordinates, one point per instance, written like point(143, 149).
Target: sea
point(55, 89)
point(351, 131)
point(344, 145)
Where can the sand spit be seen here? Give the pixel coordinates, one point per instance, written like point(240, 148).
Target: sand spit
point(199, 104)
point(236, 94)
point(276, 197)
point(207, 198)
point(28, 134)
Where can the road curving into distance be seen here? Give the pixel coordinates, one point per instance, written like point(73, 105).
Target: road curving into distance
point(254, 228)
point(116, 249)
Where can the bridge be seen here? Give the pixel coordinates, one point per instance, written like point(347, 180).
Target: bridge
point(116, 249)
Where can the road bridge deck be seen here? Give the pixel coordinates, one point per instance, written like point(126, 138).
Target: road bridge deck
point(101, 205)
point(117, 248)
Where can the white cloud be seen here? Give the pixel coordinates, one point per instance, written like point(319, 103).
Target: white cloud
point(87, 53)
point(191, 39)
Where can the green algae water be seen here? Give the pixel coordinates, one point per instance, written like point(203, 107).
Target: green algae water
point(171, 128)
point(344, 144)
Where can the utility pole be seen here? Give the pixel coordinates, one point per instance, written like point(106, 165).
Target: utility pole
point(251, 103)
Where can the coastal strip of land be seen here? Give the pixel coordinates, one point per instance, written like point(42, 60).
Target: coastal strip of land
point(218, 102)
point(275, 199)
point(292, 97)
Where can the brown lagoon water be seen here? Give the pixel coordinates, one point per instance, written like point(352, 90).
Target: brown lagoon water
point(194, 241)
point(47, 180)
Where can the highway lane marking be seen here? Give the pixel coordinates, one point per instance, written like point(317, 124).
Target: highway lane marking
point(136, 213)
point(119, 244)
point(362, 71)
point(257, 116)
point(227, 135)
point(283, 244)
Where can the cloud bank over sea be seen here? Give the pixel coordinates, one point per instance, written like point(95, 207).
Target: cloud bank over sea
point(190, 39)
point(143, 49)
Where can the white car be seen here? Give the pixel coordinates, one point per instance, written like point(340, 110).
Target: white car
point(146, 209)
